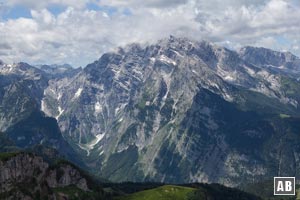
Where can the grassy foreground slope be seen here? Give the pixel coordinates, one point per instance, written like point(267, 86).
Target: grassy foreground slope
point(166, 192)
point(191, 192)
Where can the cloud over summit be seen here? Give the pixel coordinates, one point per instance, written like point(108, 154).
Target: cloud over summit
point(78, 32)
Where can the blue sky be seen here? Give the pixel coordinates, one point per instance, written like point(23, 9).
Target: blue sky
point(78, 32)
point(20, 10)
point(16, 12)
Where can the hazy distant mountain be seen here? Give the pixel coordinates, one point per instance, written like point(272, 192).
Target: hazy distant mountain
point(175, 111)
point(59, 71)
point(280, 62)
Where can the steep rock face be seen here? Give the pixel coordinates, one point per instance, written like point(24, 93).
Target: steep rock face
point(68, 176)
point(19, 169)
point(278, 62)
point(263, 56)
point(21, 121)
point(180, 111)
point(21, 87)
point(175, 111)
point(24, 176)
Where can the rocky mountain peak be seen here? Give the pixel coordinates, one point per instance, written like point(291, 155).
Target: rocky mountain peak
point(266, 57)
point(29, 175)
point(179, 103)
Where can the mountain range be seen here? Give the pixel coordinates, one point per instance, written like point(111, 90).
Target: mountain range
point(177, 111)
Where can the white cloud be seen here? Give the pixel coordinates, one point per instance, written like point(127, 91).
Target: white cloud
point(147, 3)
point(79, 36)
point(247, 24)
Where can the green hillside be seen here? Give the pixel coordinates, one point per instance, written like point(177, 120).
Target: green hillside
point(167, 192)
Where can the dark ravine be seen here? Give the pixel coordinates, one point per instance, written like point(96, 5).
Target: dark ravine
point(177, 111)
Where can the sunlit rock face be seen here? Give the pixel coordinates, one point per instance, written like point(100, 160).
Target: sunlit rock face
point(176, 111)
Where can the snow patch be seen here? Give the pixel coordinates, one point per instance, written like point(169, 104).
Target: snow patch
point(98, 108)
point(53, 91)
point(91, 145)
point(117, 72)
point(194, 71)
point(251, 72)
point(152, 59)
point(120, 120)
point(78, 93)
point(98, 138)
point(119, 108)
point(263, 74)
point(167, 60)
point(177, 53)
point(101, 152)
point(60, 111)
point(122, 149)
point(229, 78)
point(84, 148)
point(43, 105)
point(6, 69)
point(122, 85)
point(59, 96)
point(156, 124)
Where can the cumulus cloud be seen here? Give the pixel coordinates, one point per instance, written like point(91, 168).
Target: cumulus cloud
point(147, 3)
point(79, 35)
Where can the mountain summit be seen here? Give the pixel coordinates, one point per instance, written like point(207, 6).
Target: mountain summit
point(181, 111)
